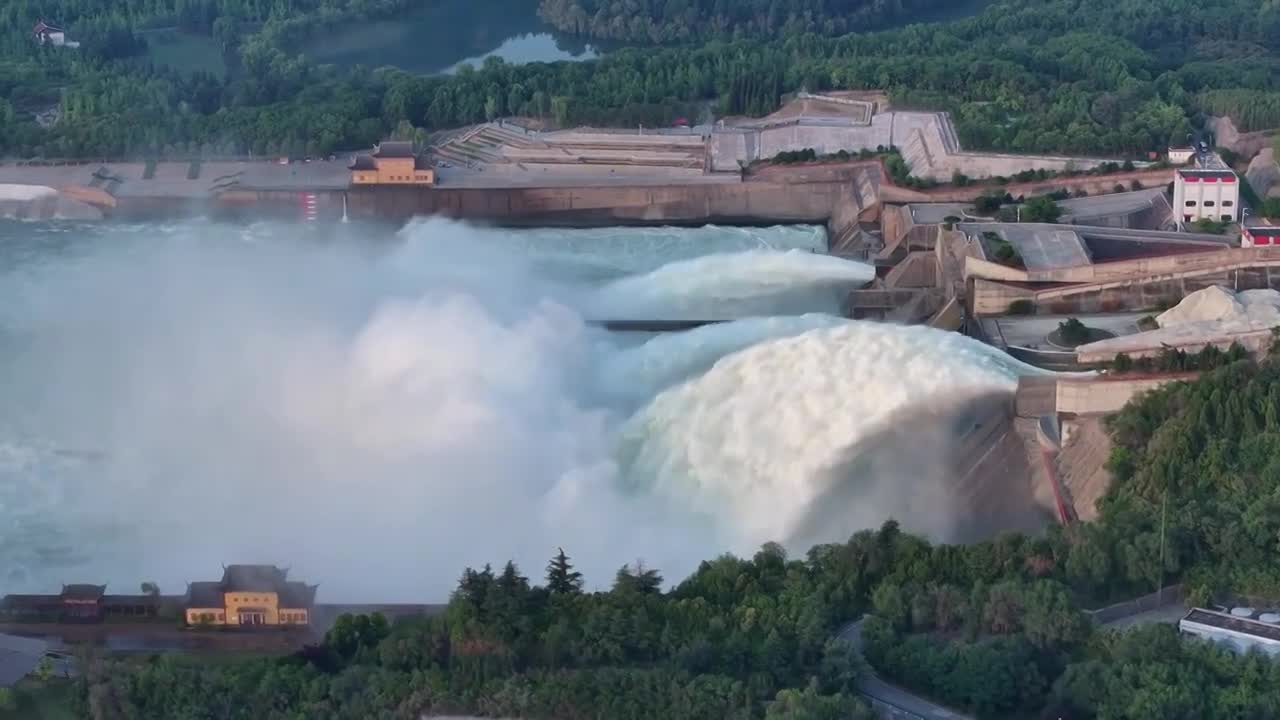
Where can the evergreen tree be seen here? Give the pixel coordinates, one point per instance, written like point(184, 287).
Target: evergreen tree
point(562, 579)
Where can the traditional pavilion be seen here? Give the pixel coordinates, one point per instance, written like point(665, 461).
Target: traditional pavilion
point(80, 603)
point(250, 595)
point(391, 163)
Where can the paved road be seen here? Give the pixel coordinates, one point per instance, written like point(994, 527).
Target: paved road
point(889, 700)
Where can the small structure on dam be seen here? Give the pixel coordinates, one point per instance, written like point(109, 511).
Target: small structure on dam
point(392, 162)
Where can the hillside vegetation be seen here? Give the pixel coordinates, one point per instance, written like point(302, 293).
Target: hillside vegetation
point(1092, 77)
point(671, 21)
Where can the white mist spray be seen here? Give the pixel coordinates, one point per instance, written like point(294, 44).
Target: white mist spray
point(183, 396)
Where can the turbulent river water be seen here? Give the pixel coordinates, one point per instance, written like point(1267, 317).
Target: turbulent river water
point(379, 412)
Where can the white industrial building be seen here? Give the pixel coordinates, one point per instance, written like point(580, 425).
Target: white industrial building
point(1200, 193)
point(56, 36)
point(1181, 155)
point(1239, 630)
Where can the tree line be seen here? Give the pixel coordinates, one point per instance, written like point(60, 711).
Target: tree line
point(682, 21)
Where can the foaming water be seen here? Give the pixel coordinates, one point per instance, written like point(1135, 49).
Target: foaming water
point(734, 285)
point(639, 373)
point(752, 437)
point(182, 396)
point(602, 254)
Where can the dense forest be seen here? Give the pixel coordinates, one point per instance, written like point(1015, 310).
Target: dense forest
point(679, 21)
point(994, 627)
point(1076, 76)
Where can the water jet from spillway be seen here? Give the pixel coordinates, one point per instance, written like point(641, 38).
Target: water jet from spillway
point(437, 402)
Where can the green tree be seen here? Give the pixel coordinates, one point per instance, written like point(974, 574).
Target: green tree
point(560, 110)
point(1072, 332)
point(562, 579)
point(44, 669)
point(809, 704)
point(1041, 209)
point(640, 579)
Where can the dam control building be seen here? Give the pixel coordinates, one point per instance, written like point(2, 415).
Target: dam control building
point(1206, 194)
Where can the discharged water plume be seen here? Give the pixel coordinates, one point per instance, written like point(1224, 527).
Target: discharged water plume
point(754, 436)
point(734, 285)
point(377, 415)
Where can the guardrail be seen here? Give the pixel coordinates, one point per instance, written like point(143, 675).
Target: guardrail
point(1161, 598)
point(896, 711)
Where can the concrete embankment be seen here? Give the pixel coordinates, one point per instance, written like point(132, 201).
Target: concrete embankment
point(838, 194)
point(1076, 467)
point(737, 203)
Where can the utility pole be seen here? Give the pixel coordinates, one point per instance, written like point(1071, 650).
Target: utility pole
point(1164, 510)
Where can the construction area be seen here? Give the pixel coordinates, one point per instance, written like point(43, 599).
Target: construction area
point(502, 151)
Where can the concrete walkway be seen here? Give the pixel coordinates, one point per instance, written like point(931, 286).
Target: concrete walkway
point(891, 701)
point(1168, 615)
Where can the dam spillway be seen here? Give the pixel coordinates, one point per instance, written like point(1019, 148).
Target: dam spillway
point(652, 325)
point(407, 389)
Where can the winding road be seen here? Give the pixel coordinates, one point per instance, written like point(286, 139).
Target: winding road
point(891, 701)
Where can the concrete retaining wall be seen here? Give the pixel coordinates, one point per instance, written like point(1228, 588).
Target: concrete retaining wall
point(1258, 343)
point(746, 202)
point(1103, 396)
point(1122, 285)
point(1036, 396)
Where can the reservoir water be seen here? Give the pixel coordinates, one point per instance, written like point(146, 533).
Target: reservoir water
point(443, 35)
point(378, 414)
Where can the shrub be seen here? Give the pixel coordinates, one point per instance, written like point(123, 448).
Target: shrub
point(1073, 332)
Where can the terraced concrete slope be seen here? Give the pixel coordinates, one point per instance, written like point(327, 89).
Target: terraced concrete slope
point(1082, 464)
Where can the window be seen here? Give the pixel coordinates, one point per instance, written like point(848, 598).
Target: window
point(1191, 203)
point(1227, 218)
point(222, 617)
point(1227, 203)
point(1186, 218)
point(1208, 203)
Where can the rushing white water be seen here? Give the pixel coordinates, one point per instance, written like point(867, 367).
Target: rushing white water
point(752, 436)
point(640, 373)
point(733, 285)
point(377, 417)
